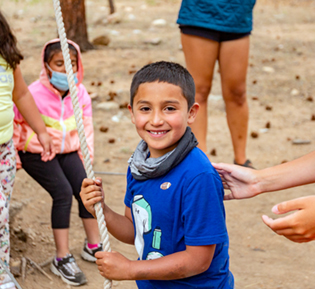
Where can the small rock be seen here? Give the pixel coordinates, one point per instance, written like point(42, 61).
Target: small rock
point(101, 40)
point(128, 9)
point(132, 71)
point(268, 107)
point(254, 134)
point(263, 130)
point(309, 98)
point(254, 98)
point(268, 69)
point(313, 117)
point(123, 105)
point(213, 152)
point(108, 105)
point(15, 267)
point(112, 140)
point(284, 161)
point(159, 22)
point(153, 41)
point(254, 81)
point(114, 18)
point(279, 47)
point(268, 125)
point(297, 77)
point(106, 161)
point(112, 95)
point(15, 208)
point(114, 32)
point(104, 128)
point(93, 95)
point(101, 21)
point(301, 141)
point(294, 91)
point(20, 234)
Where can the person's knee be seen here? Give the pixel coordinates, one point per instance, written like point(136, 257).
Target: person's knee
point(202, 93)
point(64, 197)
point(237, 95)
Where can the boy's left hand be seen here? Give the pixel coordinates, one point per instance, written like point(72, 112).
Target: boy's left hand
point(113, 265)
point(48, 152)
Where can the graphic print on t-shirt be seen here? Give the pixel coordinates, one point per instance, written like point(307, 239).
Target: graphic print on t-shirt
point(142, 214)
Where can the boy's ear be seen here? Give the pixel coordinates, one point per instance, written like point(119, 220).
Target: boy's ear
point(131, 113)
point(192, 113)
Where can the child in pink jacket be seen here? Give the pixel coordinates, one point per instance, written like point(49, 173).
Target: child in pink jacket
point(62, 176)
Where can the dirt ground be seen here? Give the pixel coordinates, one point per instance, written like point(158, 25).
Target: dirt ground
point(280, 94)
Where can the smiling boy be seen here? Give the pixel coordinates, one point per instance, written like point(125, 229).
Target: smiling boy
point(174, 212)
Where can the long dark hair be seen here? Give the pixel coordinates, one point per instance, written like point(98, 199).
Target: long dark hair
point(8, 48)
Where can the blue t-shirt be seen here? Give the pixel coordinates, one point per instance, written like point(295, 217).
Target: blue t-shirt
point(182, 207)
point(232, 16)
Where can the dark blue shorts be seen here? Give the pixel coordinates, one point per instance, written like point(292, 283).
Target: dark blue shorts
point(211, 34)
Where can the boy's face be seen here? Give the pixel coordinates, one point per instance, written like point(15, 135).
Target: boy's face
point(160, 114)
point(57, 63)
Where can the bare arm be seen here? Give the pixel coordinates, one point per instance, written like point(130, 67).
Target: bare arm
point(247, 183)
point(120, 226)
point(27, 106)
point(194, 260)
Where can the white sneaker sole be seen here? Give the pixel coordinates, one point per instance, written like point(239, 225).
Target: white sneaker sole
point(87, 257)
point(9, 285)
point(56, 272)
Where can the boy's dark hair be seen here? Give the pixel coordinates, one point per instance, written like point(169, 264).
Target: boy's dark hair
point(164, 71)
point(55, 47)
point(8, 49)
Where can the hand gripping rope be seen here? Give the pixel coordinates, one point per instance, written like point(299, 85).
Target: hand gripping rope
point(78, 118)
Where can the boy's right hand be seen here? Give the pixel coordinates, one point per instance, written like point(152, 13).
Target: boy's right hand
point(92, 193)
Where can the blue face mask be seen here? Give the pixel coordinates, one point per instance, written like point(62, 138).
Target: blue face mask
point(59, 79)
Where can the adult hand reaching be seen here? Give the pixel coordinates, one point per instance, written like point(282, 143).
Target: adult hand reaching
point(242, 182)
point(299, 226)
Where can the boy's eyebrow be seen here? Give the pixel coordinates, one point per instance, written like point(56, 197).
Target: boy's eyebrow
point(147, 102)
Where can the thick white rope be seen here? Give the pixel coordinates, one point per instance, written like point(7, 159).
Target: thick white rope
point(78, 118)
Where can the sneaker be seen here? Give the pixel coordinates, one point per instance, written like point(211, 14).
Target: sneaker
point(89, 254)
point(8, 285)
point(6, 282)
point(247, 164)
point(68, 270)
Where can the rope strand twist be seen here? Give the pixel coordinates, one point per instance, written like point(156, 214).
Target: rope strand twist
point(78, 118)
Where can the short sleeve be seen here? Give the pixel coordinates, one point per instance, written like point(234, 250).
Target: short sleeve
point(203, 210)
point(128, 195)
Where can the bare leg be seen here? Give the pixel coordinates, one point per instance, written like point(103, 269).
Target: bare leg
point(61, 237)
point(91, 230)
point(200, 56)
point(233, 61)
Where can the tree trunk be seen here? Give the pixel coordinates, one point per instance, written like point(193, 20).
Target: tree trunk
point(111, 6)
point(73, 13)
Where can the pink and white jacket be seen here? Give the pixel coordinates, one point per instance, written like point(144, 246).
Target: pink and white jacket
point(57, 114)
